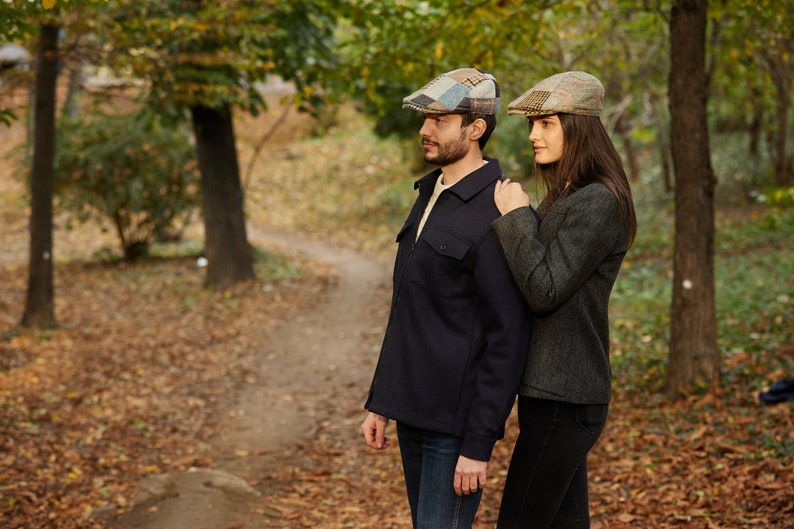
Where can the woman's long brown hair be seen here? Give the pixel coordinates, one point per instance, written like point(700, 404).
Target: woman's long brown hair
point(588, 156)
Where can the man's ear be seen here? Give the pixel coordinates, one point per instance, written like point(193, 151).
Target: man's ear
point(478, 127)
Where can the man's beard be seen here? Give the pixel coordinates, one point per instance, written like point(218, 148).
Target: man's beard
point(449, 153)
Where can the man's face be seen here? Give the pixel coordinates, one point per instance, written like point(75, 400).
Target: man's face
point(443, 139)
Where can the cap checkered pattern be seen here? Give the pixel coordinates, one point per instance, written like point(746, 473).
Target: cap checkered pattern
point(461, 91)
point(563, 93)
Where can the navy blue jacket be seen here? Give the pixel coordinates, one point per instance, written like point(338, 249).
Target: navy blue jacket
point(458, 330)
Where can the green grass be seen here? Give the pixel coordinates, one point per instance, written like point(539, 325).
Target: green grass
point(754, 297)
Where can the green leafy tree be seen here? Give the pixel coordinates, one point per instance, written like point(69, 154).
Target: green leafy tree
point(392, 47)
point(632, 60)
point(754, 79)
point(16, 25)
point(130, 169)
point(205, 59)
point(50, 4)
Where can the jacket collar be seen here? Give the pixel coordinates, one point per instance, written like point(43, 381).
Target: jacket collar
point(472, 183)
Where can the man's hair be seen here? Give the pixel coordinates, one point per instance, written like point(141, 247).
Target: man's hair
point(490, 125)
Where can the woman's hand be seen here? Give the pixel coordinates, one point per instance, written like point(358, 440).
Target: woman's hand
point(509, 196)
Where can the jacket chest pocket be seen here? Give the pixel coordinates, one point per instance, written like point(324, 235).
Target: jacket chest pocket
point(440, 263)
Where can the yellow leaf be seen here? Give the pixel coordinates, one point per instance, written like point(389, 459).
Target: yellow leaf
point(48, 4)
point(439, 51)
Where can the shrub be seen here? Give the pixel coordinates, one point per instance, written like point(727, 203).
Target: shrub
point(133, 169)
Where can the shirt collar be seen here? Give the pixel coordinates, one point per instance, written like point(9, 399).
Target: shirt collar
point(472, 183)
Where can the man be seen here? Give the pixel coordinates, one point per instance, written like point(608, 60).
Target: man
point(458, 329)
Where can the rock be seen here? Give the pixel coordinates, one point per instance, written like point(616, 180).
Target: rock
point(200, 481)
point(198, 497)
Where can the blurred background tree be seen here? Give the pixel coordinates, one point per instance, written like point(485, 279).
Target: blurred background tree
point(204, 59)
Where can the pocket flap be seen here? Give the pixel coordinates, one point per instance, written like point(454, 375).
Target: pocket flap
point(446, 243)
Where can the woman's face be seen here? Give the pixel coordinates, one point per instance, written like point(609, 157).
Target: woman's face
point(545, 133)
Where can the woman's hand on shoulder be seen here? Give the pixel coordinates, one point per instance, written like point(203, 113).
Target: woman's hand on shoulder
point(509, 195)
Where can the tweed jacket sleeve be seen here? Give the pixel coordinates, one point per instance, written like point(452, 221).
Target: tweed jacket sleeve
point(551, 259)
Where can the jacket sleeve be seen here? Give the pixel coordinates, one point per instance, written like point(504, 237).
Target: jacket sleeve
point(549, 273)
point(506, 320)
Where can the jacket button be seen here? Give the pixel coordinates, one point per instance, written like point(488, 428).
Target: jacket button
point(443, 247)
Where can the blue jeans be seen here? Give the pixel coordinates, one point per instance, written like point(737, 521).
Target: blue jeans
point(429, 460)
point(546, 484)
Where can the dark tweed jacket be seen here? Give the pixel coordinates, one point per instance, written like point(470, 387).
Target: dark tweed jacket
point(565, 267)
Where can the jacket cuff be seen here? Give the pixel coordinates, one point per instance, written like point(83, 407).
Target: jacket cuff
point(477, 447)
point(519, 217)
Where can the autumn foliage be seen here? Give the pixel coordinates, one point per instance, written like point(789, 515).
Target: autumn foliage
point(144, 361)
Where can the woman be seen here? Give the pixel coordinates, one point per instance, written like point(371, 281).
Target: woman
point(565, 259)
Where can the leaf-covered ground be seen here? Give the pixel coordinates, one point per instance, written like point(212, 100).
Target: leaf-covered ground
point(131, 382)
point(127, 386)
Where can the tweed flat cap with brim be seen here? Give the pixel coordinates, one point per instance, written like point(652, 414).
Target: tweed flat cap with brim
point(461, 91)
point(562, 93)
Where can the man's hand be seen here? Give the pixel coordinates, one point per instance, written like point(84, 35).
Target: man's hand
point(374, 430)
point(509, 195)
point(470, 475)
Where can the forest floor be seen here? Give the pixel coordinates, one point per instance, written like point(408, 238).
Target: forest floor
point(298, 411)
point(157, 403)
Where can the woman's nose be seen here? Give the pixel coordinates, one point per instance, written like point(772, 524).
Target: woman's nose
point(532, 136)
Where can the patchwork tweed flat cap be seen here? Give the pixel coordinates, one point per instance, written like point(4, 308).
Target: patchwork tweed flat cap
point(461, 91)
point(566, 93)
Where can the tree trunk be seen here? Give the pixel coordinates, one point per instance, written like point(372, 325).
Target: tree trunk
point(756, 123)
point(40, 301)
point(71, 106)
point(226, 244)
point(777, 61)
point(782, 161)
point(624, 131)
point(694, 359)
point(663, 147)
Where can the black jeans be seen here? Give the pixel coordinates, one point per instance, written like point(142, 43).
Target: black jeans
point(546, 484)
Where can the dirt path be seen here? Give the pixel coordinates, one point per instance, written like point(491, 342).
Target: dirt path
point(314, 374)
